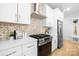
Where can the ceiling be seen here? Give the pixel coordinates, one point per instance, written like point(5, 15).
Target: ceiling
point(74, 7)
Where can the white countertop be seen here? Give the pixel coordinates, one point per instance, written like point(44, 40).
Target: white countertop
point(13, 43)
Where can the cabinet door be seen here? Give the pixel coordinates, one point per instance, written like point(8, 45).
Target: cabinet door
point(54, 43)
point(11, 52)
point(50, 16)
point(24, 13)
point(30, 49)
point(58, 14)
point(8, 12)
point(54, 40)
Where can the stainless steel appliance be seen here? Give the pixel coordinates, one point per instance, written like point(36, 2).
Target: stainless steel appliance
point(44, 44)
point(60, 33)
point(18, 34)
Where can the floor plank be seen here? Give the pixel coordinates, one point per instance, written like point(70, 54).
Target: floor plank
point(69, 48)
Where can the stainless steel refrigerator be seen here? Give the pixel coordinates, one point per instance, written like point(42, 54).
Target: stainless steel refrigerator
point(59, 34)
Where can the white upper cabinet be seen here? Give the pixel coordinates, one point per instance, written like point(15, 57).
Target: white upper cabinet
point(59, 14)
point(15, 13)
point(24, 11)
point(50, 16)
point(8, 12)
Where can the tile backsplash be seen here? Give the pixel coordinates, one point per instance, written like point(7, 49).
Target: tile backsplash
point(35, 27)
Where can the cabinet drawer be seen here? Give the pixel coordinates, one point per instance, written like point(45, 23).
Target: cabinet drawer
point(27, 53)
point(30, 49)
point(30, 52)
point(29, 46)
point(11, 52)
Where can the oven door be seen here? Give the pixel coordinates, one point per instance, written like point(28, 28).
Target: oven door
point(44, 50)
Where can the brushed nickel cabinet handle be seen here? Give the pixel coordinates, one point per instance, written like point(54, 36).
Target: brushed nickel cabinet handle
point(30, 46)
point(11, 53)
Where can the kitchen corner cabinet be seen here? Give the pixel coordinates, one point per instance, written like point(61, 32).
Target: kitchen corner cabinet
point(24, 11)
point(8, 12)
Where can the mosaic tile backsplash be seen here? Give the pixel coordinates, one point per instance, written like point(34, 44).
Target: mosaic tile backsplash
point(34, 28)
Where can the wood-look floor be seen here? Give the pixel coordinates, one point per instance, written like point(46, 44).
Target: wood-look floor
point(70, 48)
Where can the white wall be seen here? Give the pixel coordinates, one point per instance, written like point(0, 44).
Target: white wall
point(68, 26)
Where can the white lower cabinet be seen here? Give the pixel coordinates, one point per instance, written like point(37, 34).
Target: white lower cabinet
point(30, 49)
point(11, 52)
point(25, 49)
point(54, 43)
